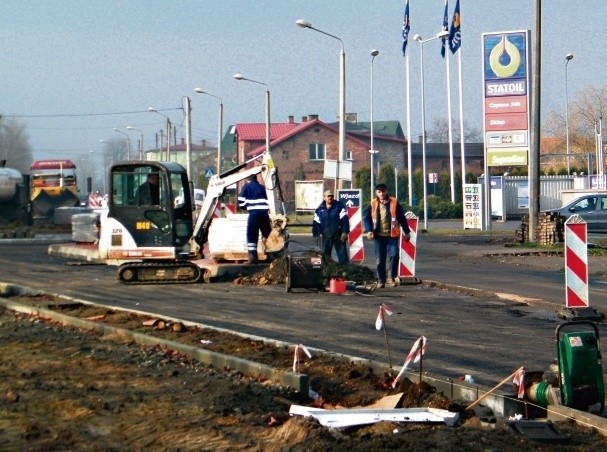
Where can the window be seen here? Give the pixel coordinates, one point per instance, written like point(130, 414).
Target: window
point(317, 151)
point(349, 155)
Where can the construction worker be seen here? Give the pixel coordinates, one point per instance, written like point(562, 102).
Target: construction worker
point(253, 199)
point(383, 221)
point(332, 224)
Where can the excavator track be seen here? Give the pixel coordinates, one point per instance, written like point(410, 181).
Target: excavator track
point(159, 273)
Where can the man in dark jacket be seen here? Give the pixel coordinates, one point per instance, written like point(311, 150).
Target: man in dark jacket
point(383, 222)
point(254, 199)
point(331, 223)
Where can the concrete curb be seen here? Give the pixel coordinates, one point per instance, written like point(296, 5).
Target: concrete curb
point(219, 360)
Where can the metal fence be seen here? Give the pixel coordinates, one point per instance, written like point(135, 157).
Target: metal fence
point(550, 192)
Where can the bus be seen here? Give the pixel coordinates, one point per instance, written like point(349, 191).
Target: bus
point(52, 184)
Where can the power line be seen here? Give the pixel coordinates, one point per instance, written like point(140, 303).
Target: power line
point(72, 115)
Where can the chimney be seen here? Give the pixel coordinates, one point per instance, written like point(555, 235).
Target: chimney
point(291, 119)
point(304, 119)
point(312, 117)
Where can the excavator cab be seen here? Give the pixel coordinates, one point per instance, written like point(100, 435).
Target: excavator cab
point(152, 202)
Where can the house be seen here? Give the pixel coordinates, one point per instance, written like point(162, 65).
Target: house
point(300, 152)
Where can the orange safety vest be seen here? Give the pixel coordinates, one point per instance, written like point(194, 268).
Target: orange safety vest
point(394, 225)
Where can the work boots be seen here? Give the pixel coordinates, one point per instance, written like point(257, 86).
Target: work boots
point(253, 258)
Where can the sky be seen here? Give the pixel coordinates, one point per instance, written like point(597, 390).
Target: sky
point(73, 70)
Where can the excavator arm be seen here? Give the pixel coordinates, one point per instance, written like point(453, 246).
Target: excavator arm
point(262, 164)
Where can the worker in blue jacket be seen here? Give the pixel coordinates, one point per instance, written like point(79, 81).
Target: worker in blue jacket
point(254, 199)
point(331, 227)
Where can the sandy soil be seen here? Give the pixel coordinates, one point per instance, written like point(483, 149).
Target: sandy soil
point(64, 389)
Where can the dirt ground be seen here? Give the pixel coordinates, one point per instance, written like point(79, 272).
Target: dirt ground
point(68, 389)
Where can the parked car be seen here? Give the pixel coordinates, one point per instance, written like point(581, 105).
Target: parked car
point(83, 199)
point(592, 208)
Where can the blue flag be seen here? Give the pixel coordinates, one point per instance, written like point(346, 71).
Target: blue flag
point(455, 36)
point(445, 28)
point(406, 28)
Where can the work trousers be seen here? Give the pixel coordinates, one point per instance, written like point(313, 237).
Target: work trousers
point(341, 249)
point(386, 248)
point(259, 220)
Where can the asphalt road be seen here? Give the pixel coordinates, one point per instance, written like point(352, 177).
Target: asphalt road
point(484, 336)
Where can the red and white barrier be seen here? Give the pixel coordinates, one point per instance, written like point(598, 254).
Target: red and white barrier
point(229, 209)
point(355, 238)
point(576, 262)
point(406, 267)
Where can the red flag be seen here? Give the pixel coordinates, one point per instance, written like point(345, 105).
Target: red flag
point(296, 356)
point(379, 322)
point(418, 349)
point(519, 380)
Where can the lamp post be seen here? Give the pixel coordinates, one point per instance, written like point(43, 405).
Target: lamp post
point(374, 53)
point(104, 166)
point(219, 126)
point(241, 77)
point(568, 58)
point(342, 94)
point(421, 41)
point(152, 109)
point(128, 142)
point(140, 140)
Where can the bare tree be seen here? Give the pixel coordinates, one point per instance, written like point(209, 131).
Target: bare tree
point(588, 106)
point(14, 145)
point(439, 131)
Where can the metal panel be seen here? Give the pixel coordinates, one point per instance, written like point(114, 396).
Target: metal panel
point(550, 193)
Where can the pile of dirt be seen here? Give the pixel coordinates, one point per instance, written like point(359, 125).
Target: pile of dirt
point(277, 271)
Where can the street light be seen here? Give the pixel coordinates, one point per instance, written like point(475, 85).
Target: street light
point(153, 109)
point(568, 58)
point(374, 53)
point(418, 38)
point(342, 94)
point(128, 142)
point(241, 77)
point(140, 140)
point(219, 126)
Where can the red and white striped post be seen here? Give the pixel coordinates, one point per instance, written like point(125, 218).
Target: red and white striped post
point(406, 267)
point(229, 209)
point(576, 262)
point(577, 303)
point(355, 238)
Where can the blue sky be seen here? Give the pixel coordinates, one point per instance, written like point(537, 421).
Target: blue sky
point(76, 69)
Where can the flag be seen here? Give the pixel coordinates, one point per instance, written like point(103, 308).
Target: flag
point(519, 380)
point(445, 28)
point(406, 28)
point(296, 356)
point(379, 322)
point(455, 36)
point(418, 349)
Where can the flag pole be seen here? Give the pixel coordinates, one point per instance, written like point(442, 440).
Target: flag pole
point(387, 343)
point(451, 168)
point(461, 119)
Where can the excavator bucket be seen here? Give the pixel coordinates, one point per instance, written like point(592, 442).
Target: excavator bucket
point(276, 240)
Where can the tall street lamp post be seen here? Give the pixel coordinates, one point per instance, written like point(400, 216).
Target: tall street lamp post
point(374, 53)
point(421, 41)
point(241, 77)
point(169, 126)
point(568, 58)
point(128, 143)
point(140, 140)
point(219, 126)
point(342, 95)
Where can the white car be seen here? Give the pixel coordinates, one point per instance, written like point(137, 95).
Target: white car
point(198, 197)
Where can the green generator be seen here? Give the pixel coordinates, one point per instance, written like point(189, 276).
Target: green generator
point(580, 369)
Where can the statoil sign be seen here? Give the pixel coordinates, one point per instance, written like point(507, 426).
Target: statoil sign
point(506, 96)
